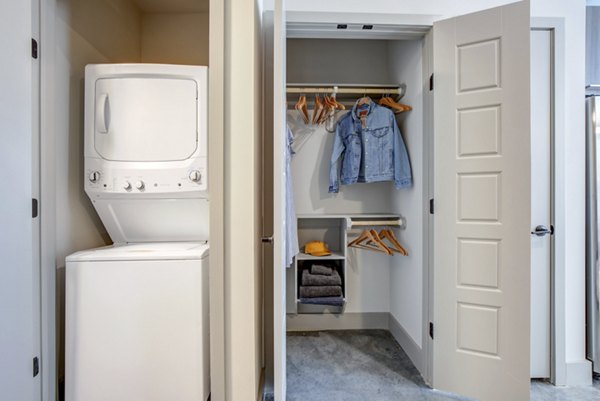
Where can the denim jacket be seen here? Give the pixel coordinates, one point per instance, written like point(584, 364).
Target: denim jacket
point(371, 154)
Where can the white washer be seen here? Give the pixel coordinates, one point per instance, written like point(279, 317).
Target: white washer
point(137, 323)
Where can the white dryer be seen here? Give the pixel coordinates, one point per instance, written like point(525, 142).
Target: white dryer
point(137, 323)
point(146, 150)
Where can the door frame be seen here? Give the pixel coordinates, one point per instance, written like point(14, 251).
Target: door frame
point(47, 200)
point(552, 187)
point(423, 25)
point(558, 363)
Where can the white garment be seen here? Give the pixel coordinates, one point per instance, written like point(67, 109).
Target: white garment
point(291, 235)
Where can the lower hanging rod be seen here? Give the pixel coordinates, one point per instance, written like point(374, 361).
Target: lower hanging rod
point(394, 222)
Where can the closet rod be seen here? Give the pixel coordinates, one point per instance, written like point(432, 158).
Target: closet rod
point(350, 89)
point(395, 222)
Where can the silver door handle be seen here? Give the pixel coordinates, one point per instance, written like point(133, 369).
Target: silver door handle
point(266, 240)
point(542, 230)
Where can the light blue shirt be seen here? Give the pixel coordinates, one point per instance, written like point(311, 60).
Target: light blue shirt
point(373, 153)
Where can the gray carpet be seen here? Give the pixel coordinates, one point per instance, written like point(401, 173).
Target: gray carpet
point(358, 365)
point(353, 365)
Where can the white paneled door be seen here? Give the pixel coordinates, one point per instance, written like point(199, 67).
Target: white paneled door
point(19, 268)
point(482, 204)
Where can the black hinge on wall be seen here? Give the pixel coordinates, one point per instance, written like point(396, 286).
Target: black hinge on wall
point(431, 82)
point(34, 208)
point(431, 206)
point(431, 330)
point(34, 48)
point(36, 366)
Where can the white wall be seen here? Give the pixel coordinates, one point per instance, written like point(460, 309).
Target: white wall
point(175, 38)
point(570, 160)
point(406, 275)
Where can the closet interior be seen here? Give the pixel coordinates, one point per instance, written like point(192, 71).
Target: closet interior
point(95, 32)
point(375, 237)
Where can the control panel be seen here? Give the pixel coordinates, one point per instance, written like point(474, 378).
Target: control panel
point(106, 179)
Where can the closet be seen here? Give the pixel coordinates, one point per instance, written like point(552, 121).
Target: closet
point(389, 288)
point(456, 300)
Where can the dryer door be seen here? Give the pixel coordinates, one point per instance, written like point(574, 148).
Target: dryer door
point(145, 119)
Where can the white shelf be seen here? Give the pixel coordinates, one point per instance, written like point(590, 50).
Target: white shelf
point(369, 216)
point(333, 256)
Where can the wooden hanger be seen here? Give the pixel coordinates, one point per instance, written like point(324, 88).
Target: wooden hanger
point(317, 110)
point(328, 110)
point(388, 234)
point(392, 104)
point(377, 240)
point(338, 105)
point(369, 240)
point(325, 111)
point(301, 107)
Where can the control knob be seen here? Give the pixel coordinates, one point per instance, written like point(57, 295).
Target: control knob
point(195, 176)
point(127, 186)
point(140, 185)
point(94, 176)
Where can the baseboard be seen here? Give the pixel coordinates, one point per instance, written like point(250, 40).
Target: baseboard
point(579, 373)
point(341, 321)
point(412, 349)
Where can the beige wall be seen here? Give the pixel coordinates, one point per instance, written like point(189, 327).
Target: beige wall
point(112, 27)
point(242, 211)
point(175, 38)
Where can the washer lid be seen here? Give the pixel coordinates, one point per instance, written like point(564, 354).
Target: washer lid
point(145, 251)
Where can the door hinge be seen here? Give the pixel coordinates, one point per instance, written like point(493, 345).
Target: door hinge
point(34, 208)
point(34, 48)
point(36, 366)
point(431, 82)
point(431, 330)
point(431, 204)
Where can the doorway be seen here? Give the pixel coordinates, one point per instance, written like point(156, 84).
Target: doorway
point(486, 253)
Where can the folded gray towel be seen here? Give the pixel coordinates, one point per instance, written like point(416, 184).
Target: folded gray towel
point(331, 301)
point(322, 270)
point(323, 291)
point(317, 279)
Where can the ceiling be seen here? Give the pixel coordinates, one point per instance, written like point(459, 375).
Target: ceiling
point(172, 6)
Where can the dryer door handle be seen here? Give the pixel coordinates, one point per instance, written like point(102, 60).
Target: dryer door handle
point(103, 114)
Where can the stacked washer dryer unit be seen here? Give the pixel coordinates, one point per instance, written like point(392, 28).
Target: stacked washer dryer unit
point(137, 311)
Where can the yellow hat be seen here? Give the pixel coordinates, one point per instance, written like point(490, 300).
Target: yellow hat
point(316, 248)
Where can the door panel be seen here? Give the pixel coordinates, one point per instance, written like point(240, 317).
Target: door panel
point(19, 283)
point(279, 141)
point(482, 197)
point(541, 188)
